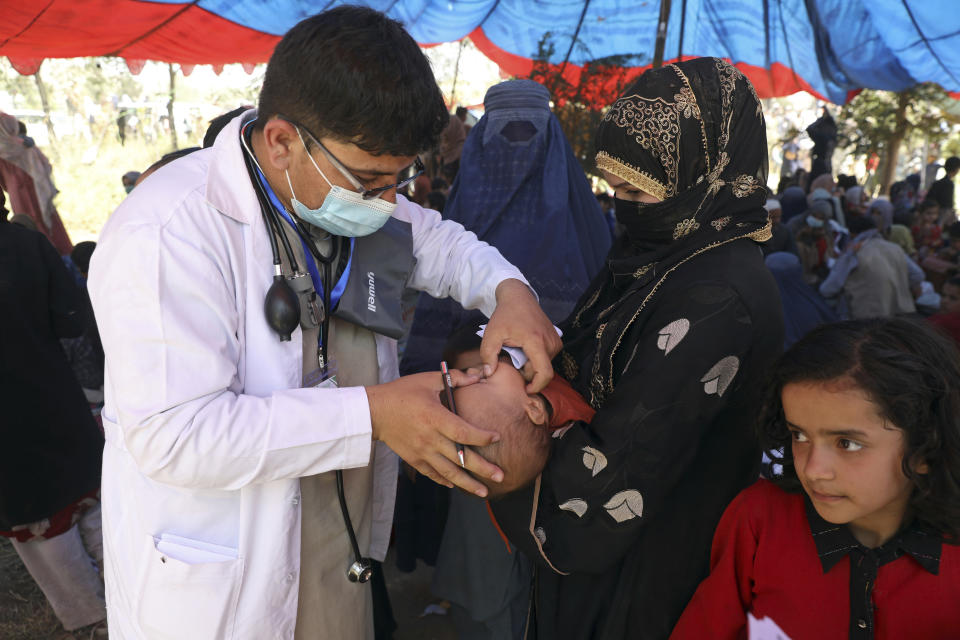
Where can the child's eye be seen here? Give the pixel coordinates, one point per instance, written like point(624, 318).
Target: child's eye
point(850, 445)
point(798, 436)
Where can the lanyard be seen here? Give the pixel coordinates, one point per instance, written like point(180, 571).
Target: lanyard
point(318, 282)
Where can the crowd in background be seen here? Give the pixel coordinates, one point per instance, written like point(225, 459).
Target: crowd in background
point(835, 252)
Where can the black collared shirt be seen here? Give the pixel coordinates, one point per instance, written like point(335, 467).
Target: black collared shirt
point(834, 541)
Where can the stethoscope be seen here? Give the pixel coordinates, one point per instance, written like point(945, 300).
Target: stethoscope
point(282, 305)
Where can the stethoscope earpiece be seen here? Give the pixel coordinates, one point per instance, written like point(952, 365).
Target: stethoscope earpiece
point(282, 308)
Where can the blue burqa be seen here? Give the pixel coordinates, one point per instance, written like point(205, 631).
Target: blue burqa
point(804, 309)
point(521, 189)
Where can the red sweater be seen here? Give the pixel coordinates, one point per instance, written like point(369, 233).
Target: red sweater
point(764, 560)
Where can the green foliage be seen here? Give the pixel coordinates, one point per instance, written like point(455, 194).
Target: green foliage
point(580, 97)
point(22, 90)
point(867, 123)
point(106, 76)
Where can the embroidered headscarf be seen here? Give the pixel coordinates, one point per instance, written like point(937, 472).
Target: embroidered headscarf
point(692, 134)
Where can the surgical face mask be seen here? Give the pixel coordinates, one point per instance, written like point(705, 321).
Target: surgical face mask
point(343, 212)
point(814, 222)
point(128, 187)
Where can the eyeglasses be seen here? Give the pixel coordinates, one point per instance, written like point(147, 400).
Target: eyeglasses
point(366, 194)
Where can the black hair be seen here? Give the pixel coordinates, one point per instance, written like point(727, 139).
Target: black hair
point(436, 201)
point(604, 198)
point(928, 204)
point(952, 164)
point(81, 254)
point(217, 124)
point(954, 231)
point(438, 183)
point(846, 182)
point(461, 111)
point(859, 224)
point(167, 158)
point(912, 374)
point(354, 74)
point(463, 339)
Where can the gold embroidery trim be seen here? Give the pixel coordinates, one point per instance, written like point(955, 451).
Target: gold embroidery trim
point(640, 179)
point(533, 523)
point(720, 223)
point(570, 368)
point(685, 228)
point(744, 185)
point(590, 303)
point(703, 129)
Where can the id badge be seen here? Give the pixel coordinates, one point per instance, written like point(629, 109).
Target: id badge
point(322, 378)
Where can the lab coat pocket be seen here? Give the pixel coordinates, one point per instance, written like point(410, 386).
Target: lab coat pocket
point(188, 589)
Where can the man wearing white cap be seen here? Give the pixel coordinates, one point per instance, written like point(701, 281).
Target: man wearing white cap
point(782, 239)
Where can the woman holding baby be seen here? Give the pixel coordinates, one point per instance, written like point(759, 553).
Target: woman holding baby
point(669, 344)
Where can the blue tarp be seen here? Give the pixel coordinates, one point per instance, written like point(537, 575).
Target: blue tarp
point(829, 47)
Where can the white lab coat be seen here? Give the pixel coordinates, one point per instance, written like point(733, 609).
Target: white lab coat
point(206, 429)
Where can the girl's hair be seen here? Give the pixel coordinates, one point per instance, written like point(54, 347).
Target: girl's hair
point(912, 374)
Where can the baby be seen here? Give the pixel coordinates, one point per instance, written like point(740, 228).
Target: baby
point(500, 403)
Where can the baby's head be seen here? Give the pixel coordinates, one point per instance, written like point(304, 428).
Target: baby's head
point(500, 403)
point(868, 416)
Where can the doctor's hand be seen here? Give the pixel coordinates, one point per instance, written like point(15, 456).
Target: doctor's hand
point(518, 321)
point(407, 416)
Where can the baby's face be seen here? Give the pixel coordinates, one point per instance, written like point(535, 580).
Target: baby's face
point(505, 388)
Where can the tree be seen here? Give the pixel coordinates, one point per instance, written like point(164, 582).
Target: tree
point(580, 97)
point(881, 121)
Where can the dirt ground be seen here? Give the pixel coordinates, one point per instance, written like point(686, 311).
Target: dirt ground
point(25, 614)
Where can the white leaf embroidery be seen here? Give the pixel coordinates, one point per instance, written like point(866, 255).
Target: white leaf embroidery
point(672, 334)
point(718, 379)
point(562, 431)
point(594, 460)
point(625, 505)
point(540, 535)
point(576, 505)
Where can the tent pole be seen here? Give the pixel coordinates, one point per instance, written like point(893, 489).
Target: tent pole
point(661, 34)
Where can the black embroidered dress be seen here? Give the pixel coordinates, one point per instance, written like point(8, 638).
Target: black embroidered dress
point(670, 344)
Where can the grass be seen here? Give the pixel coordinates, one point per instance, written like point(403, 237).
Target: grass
point(87, 173)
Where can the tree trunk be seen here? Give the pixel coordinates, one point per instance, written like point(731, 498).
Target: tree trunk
point(894, 141)
point(456, 73)
point(42, 90)
point(173, 122)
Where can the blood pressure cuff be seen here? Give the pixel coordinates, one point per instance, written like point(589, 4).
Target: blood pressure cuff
point(379, 270)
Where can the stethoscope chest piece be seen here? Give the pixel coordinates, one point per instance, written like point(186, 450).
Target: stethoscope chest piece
point(360, 571)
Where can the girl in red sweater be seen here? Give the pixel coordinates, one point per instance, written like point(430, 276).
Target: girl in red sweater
point(857, 537)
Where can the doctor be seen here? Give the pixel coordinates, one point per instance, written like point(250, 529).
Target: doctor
point(222, 516)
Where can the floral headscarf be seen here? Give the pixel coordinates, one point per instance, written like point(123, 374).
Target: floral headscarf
point(692, 134)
